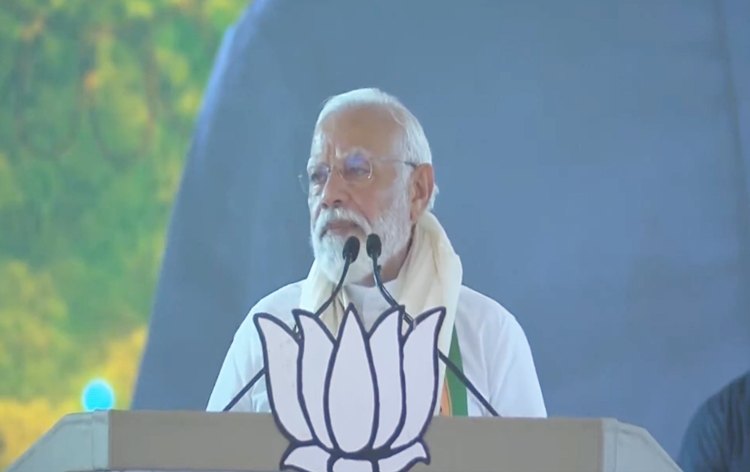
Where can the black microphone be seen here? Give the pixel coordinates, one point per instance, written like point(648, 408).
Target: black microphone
point(350, 253)
point(374, 248)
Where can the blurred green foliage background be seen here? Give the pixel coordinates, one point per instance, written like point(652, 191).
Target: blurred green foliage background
point(97, 104)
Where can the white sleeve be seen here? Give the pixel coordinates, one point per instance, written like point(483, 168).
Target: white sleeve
point(228, 384)
point(514, 389)
point(241, 363)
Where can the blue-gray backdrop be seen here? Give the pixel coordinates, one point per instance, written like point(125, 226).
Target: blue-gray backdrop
point(593, 162)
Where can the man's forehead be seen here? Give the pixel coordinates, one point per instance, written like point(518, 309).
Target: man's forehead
point(370, 129)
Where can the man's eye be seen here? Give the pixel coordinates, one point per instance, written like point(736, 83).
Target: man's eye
point(357, 166)
point(357, 171)
point(318, 177)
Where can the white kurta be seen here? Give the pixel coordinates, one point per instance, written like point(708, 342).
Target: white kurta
point(495, 352)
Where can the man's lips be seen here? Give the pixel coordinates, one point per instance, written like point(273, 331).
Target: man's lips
point(339, 227)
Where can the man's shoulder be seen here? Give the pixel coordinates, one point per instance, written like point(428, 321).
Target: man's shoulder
point(733, 395)
point(709, 441)
point(739, 388)
point(284, 299)
point(484, 312)
point(278, 304)
point(724, 404)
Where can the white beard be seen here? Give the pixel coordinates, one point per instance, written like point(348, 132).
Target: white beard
point(393, 227)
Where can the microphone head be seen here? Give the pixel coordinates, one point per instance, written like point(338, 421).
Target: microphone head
point(351, 249)
point(373, 246)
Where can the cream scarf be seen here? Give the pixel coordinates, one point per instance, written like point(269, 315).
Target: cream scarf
point(430, 277)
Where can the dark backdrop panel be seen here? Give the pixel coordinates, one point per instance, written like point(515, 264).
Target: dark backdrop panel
point(592, 172)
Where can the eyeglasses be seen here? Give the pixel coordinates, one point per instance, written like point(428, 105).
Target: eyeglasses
point(355, 168)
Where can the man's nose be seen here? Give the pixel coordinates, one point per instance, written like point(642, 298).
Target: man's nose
point(334, 192)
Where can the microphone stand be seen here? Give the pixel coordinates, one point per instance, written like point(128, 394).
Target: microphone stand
point(350, 253)
point(386, 295)
point(373, 251)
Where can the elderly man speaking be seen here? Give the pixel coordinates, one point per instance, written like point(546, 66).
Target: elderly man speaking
point(370, 171)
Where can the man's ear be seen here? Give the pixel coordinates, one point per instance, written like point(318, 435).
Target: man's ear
point(421, 188)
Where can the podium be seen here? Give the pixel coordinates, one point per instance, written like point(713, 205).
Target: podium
point(240, 442)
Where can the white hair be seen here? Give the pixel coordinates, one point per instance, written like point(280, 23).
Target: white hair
point(413, 148)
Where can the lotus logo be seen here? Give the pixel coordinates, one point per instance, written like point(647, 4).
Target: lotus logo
point(360, 402)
